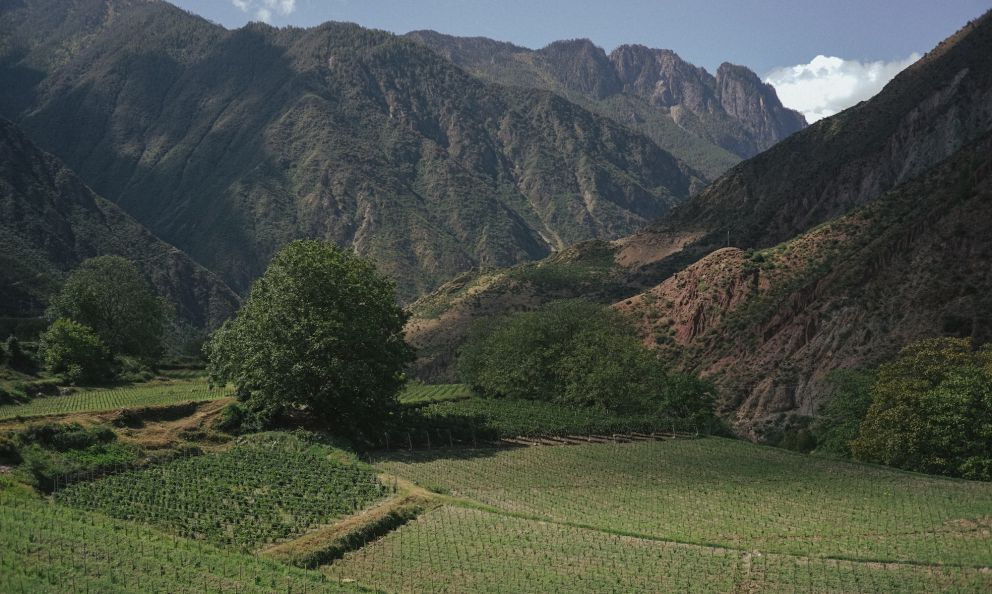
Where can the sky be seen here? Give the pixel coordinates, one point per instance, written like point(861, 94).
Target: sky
point(821, 56)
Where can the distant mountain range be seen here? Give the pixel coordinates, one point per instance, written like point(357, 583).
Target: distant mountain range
point(830, 250)
point(228, 144)
point(710, 122)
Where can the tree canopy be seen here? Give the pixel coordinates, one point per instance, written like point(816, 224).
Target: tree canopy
point(579, 353)
point(320, 331)
point(109, 295)
point(932, 411)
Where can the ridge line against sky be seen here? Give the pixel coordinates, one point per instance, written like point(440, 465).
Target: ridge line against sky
point(821, 57)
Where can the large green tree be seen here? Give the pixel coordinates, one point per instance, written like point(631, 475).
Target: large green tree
point(932, 411)
point(320, 331)
point(578, 353)
point(109, 295)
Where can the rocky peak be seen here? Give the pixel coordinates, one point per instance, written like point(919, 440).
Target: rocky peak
point(664, 78)
point(582, 66)
point(755, 105)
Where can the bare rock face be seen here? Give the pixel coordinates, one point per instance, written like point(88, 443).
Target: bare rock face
point(583, 67)
point(755, 105)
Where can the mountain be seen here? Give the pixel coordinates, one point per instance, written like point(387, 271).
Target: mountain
point(50, 221)
point(768, 326)
point(229, 143)
point(710, 122)
point(831, 249)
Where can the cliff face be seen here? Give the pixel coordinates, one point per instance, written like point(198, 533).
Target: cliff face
point(642, 88)
point(50, 222)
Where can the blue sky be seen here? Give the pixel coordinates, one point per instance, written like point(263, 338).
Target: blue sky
point(871, 38)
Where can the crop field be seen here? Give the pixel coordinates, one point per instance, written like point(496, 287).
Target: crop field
point(785, 521)
point(50, 548)
point(127, 397)
point(424, 393)
point(271, 487)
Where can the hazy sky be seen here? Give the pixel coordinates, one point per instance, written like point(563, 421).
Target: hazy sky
point(860, 43)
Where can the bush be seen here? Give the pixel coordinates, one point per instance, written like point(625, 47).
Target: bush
point(64, 437)
point(19, 358)
point(320, 330)
point(579, 353)
point(841, 416)
point(75, 351)
point(931, 411)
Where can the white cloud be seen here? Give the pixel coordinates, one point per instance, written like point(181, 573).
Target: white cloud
point(828, 85)
point(264, 9)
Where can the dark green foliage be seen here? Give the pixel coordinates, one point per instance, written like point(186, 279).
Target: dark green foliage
point(19, 358)
point(234, 419)
point(320, 330)
point(578, 353)
point(56, 454)
point(932, 411)
point(62, 438)
point(9, 453)
point(76, 352)
point(108, 294)
point(840, 417)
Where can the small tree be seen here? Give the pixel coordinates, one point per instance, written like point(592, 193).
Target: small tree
point(18, 358)
point(109, 295)
point(320, 330)
point(931, 411)
point(75, 351)
point(841, 416)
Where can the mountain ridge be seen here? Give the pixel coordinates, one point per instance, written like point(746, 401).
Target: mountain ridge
point(228, 143)
point(732, 110)
point(52, 221)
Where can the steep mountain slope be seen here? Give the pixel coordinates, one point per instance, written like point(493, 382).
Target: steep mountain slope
point(708, 121)
point(923, 116)
point(230, 143)
point(769, 325)
point(50, 221)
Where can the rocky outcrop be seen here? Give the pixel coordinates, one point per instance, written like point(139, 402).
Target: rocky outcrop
point(769, 326)
point(714, 108)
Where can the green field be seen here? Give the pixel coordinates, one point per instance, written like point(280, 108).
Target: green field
point(51, 548)
point(117, 398)
point(266, 488)
point(798, 521)
point(426, 393)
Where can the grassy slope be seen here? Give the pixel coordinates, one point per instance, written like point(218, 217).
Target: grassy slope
point(728, 494)
point(139, 396)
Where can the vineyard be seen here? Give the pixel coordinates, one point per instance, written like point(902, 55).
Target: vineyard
point(46, 548)
point(777, 520)
point(424, 393)
point(268, 487)
point(118, 398)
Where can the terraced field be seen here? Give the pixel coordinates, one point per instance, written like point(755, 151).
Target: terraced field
point(47, 548)
point(267, 487)
point(118, 398)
